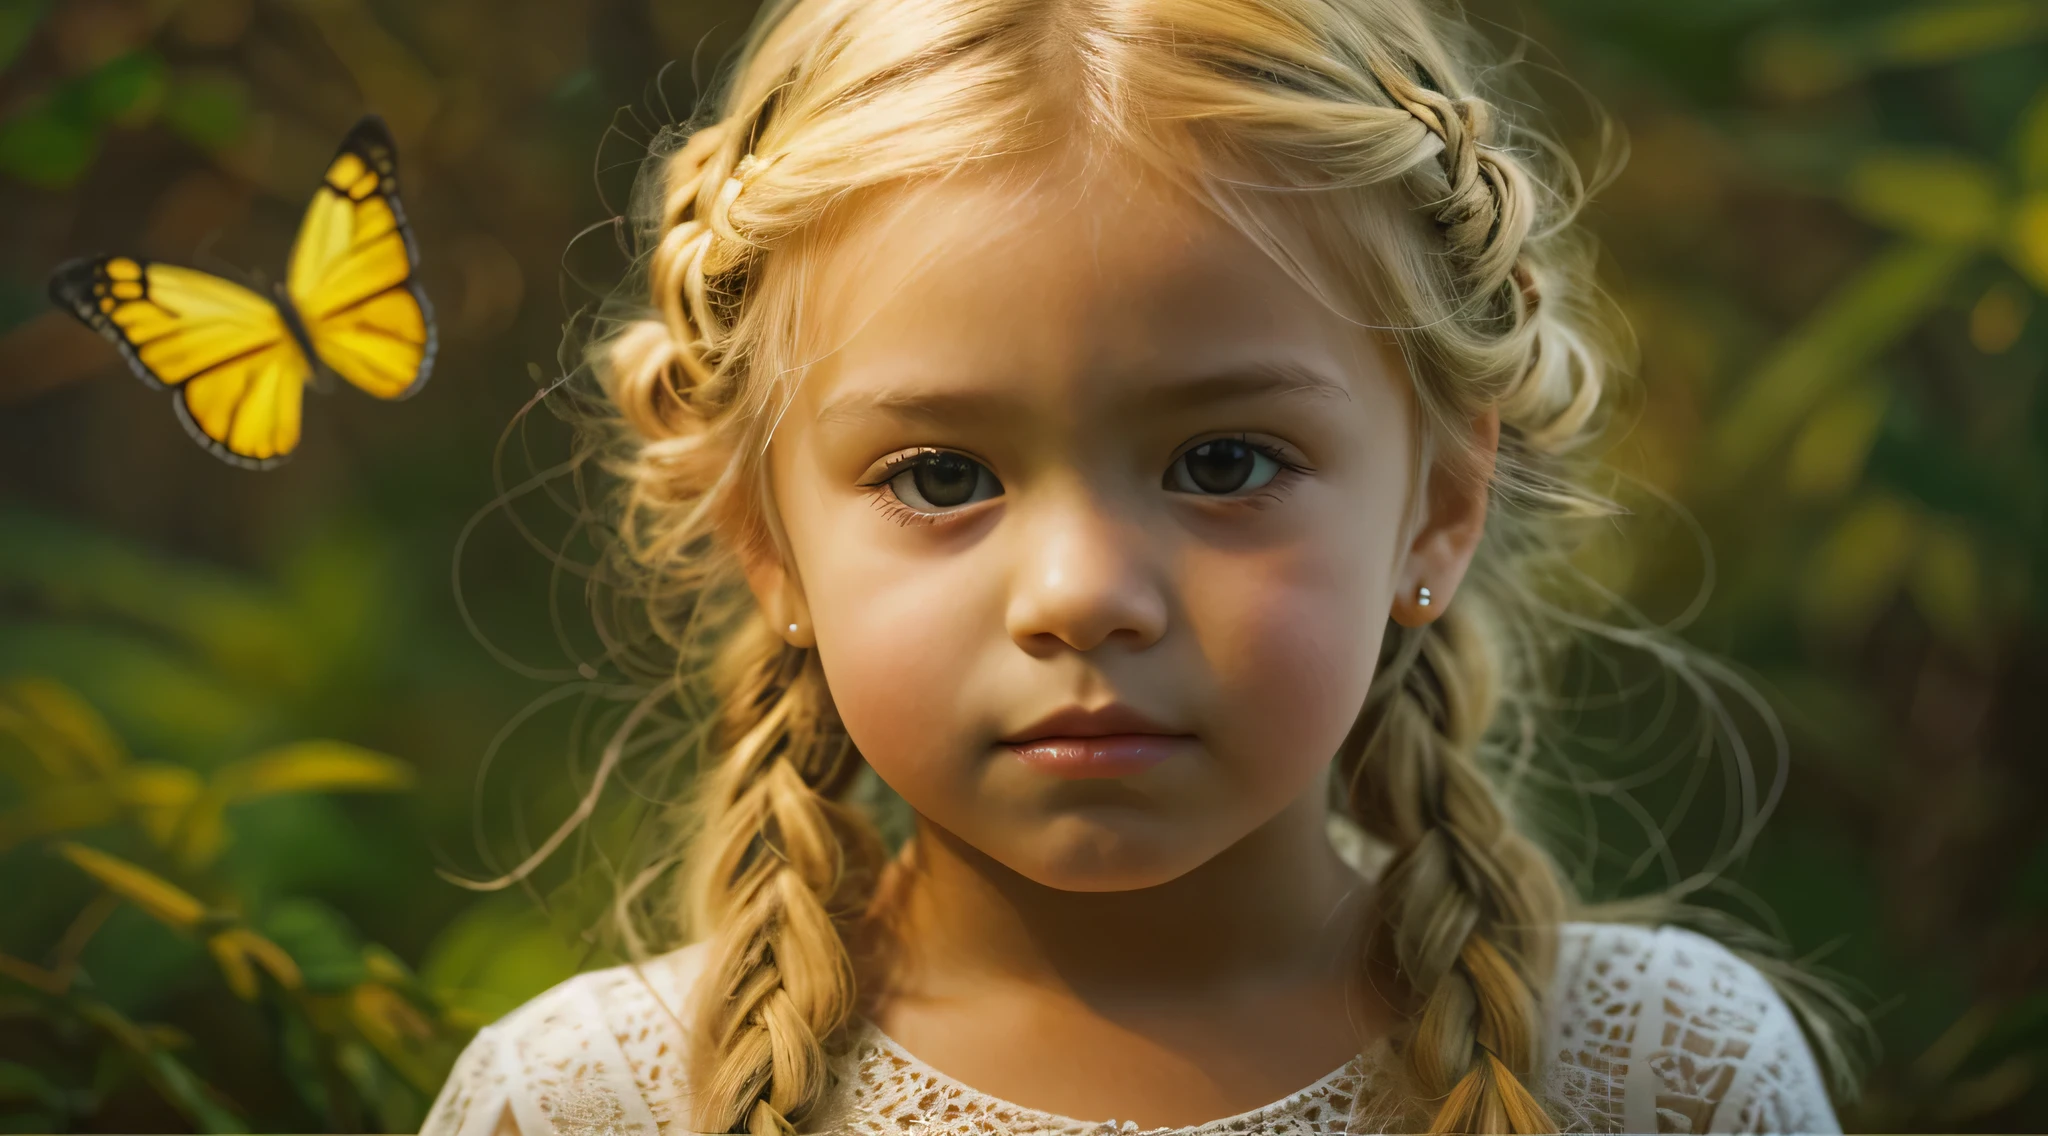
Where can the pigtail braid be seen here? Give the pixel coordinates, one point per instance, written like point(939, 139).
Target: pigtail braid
point(778, 869)
point(1467, 906)
point(784, 871)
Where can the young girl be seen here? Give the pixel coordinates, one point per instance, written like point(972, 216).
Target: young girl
point(1135, 431)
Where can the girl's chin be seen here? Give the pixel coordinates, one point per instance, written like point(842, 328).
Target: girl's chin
point(1100, 848)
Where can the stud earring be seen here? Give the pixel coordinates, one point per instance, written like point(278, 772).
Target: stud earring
point(792, 629)
point(1421, 598)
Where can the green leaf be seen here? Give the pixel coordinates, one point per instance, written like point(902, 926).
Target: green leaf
point(170, 1077)
point(21, 1083)
point(240, 625)
point(1852, 327)
point(156, 697)
point(46, 149)
point(2029, 890)
point(1931, 195)
point(320, 940)
point(127, 89)
point(1799, 60)
point(18, 19)
point(209, 108)
point(495, 955)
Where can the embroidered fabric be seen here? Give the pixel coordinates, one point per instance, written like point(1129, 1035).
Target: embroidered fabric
point(1648, 1030)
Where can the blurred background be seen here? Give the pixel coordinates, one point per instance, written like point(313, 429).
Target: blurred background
point(246, 719)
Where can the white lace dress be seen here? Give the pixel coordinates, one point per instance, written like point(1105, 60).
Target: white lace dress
point(1648, 1031)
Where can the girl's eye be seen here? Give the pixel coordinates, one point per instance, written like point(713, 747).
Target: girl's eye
point(937, 480)
point(1221, 467)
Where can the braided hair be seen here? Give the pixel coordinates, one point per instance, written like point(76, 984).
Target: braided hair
point(1346, 137)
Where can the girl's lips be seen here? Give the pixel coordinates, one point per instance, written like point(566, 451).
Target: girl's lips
point(1110, 755)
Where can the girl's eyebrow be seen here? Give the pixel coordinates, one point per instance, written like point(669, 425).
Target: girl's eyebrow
point(1238, 383)
point(1251, 380)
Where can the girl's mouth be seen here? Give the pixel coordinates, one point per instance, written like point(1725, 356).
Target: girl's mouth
point(1106, 755)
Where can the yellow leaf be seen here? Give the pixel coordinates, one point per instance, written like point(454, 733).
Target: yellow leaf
point(31, 975)
point(269, 956)
point(1928, 194)
point(202, 833)
point(160, 795)
point(161, 899)
point(88, 744)
point(1859, 565)
point(2027, 245)
point(276, 961)
point(2030, 143)
point(1945, 32)
point(1795, 63)
point(234, 965)
point(1883, 301)
point(60, 807)
point(1998, 317)
point(311, 767)
point(1828, 453)
point(386, 1017)
point(1946, 582)
point(397, 1030)
point(245, 947)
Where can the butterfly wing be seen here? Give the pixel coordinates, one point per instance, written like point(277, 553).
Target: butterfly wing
point(238, 375)
point(352, 272)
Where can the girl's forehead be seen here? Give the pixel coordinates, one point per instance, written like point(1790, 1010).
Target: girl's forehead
point(1085, 277)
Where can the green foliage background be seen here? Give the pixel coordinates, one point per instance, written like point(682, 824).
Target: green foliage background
point(1831, 241)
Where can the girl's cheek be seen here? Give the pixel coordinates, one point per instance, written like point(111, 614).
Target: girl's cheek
point(894, 645)
point(1289, 639)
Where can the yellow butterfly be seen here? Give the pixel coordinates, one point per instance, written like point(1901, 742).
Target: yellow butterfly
point(238, 360)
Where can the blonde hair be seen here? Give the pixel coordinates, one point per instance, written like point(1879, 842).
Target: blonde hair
point(1351, 139)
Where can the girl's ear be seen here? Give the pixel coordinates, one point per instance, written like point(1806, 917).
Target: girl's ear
point(1460, 484)
point(780, 593)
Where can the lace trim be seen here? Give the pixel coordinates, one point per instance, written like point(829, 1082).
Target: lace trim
point(1649, 1031)
point(894, 1092)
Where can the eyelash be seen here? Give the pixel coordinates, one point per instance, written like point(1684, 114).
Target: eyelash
point(887, 504)
point(1268, 494)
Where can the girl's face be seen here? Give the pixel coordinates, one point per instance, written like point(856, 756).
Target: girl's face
point(1095, 518)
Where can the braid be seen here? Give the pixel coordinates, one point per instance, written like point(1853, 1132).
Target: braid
point(1467, 904)
point(1360, 102)
point(778, 868)
point(1487, 215)
point(781, 869)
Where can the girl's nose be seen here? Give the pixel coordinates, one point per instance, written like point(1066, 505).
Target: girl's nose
point(1083, 580)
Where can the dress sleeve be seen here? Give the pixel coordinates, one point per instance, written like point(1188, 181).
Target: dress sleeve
point(1668, 1031)
point(556, 1063)
point(474, 1095)
point(1778, 1087)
